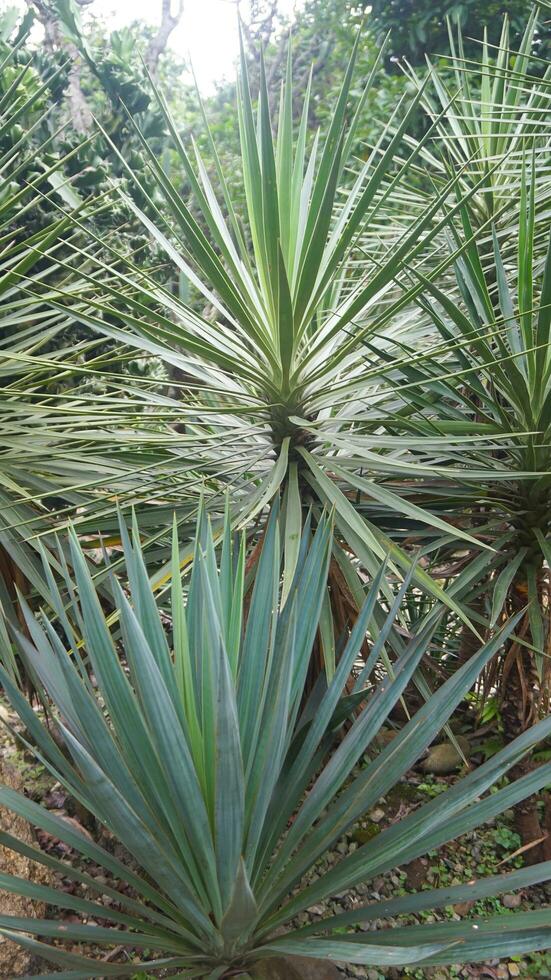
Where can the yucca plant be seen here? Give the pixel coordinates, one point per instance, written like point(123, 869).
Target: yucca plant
point(473, 402)
point(307, 280)
point(222, 786)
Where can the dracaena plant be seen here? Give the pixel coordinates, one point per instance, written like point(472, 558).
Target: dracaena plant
point(44, 465)
point(475, 400)
point(31, 335)
point(223, 785)
point(270, 375)
point(480, 405)
point(488, 112)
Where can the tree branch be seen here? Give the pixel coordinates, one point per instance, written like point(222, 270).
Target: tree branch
point(158, 44)
point(54, 40)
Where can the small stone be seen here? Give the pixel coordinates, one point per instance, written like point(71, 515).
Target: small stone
point(365, 833)
point(511, 901)
point(502, 972)
point(444, 758)
point(514, 969)
point(462, 908)
point(377, 815)
point(416, 873)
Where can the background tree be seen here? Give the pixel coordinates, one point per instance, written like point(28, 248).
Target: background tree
point(418, 27)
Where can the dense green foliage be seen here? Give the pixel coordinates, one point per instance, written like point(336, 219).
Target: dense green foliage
point(315, 310)
point(418, 27)
point(209, 765)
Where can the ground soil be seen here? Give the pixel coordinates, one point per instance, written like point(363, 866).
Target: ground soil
point(14, 961)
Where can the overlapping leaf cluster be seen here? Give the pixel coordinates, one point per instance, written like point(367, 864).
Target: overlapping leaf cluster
point(200, 754)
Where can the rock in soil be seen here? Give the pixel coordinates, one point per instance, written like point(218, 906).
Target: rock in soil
point(444, 758)
point(15, 961)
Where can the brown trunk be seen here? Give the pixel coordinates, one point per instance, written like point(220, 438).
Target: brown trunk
point(55, 40)
point(521, 707)
point(546, 845)
point(344, 614)
point(14, 580)
point(527, 821)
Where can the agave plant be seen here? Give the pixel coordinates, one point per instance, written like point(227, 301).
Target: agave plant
point(223, 786)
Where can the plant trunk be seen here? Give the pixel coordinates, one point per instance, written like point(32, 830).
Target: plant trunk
point(546, 845)
point(521, 707)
